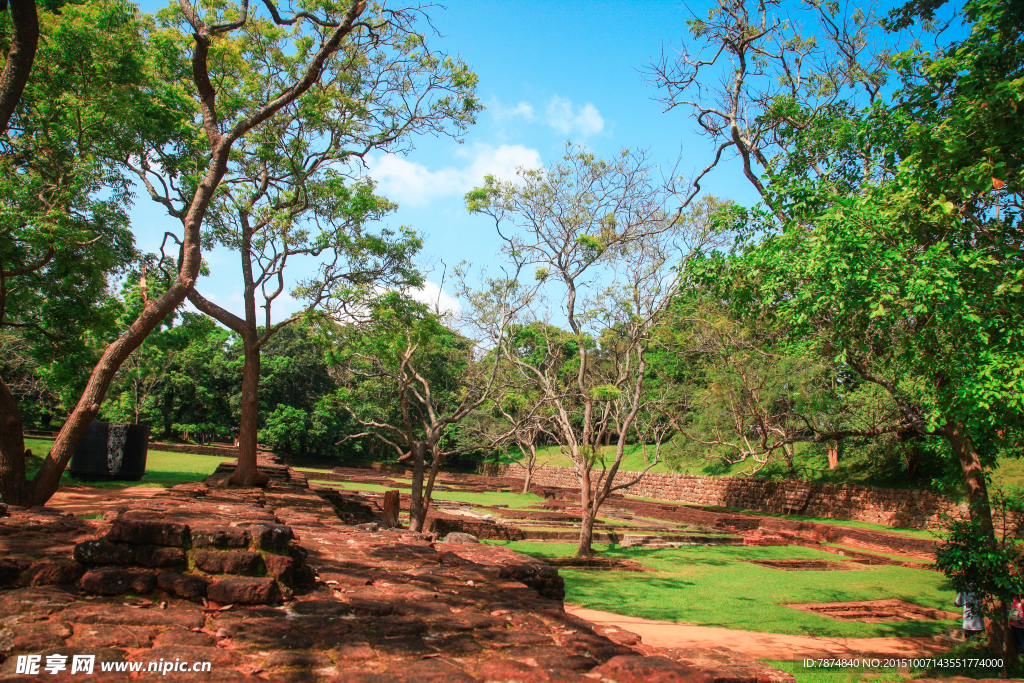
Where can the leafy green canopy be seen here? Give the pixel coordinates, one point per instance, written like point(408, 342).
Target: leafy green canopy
point(95, 97)
point(907, 266)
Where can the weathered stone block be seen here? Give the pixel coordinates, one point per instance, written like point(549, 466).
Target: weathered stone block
point(102, 551)
point(247, 591)
point(220, 537)
point(280, 567)
point(459, 537)
point(143, 532)
point(55, 573)
point(118, 581)
point(162, 557)
point(228, 562)
point(271, 537)
point(190, 587)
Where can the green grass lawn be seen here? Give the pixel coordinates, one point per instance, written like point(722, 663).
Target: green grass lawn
point(163, 468)
point(719, 586)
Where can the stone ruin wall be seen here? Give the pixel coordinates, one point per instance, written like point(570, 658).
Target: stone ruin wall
point(913, 509)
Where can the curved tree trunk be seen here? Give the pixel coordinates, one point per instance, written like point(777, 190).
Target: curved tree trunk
point(528, 479)
point(47, 481)
point(584, 548)
point(18, 66)
point(997, 629)
point(417, 511)
point(246, 473)
point(974, 478)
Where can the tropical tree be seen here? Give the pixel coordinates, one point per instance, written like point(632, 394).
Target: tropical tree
point(607, 254)
point(228, 45)
point(436, 377)
point(514, 422)
point(63, 204)
point(292, 199)
point(889, 235)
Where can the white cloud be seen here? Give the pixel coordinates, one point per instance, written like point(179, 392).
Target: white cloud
point(567, 118)
point(412, 184)
point(521, 110)
point(432, 295)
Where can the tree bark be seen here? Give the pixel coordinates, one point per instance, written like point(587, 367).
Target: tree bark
point(587, 520)
point(584, 548)
point(981, 514)
point(13, 484)
point(974, 479)
point(833, 455)
point(246, 473)
point(18, 67)
point(531, 463)
point(428, 493)
point(417, 514)
point(529, 476)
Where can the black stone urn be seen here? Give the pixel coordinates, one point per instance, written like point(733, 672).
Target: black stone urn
point(110, 451)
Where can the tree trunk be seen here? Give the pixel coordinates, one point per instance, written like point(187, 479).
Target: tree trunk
point(417, 513)
point(587, 519)
point(974, 479)
point(14, 488)
point(833, 455)
point(531, 463)
point(246, 473)
point(528, 480)
point(24, 41)
point(981, 515)
point(435, 467)
point(47, 481)
point(584, 548)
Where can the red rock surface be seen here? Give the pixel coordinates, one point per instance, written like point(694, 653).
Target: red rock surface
point(361, 605)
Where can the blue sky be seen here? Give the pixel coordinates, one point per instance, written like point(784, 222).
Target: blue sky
point(550, 72)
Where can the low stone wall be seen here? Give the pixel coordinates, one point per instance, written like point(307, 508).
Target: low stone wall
point(442, 526)
point(226, 451)
point(913, 509)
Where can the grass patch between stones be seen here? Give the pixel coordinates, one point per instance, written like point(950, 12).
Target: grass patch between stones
point(720, 586)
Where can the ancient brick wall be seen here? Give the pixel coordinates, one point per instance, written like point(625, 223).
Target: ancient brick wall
point(914, 509)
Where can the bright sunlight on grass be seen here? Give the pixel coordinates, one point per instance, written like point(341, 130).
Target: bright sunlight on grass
point(163, 468)
point(720, 586)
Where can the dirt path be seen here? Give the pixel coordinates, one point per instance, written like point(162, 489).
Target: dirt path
point(762, 645)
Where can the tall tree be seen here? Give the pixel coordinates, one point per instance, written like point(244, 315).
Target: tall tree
point(434, 374)
point(292, 199)
point(890, 232)
point(63, 207)
point(222, 41)
point(606, 253)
